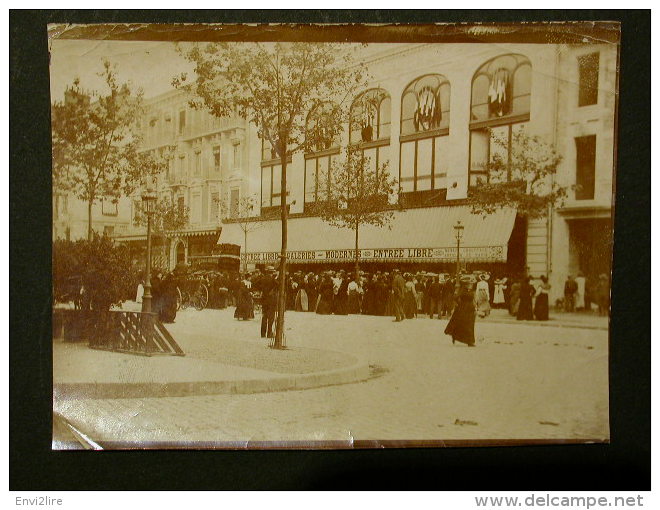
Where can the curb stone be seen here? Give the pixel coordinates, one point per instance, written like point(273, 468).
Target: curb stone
point(356, 373)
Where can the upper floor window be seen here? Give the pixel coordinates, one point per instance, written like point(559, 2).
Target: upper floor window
point(215, 205)
point(585, 167)
point(271, 176)
point(588, 79)
point(182, 167)
point(109, 207)
point(424, 130)
point(370, 118)
point(501, 98)
point(322, 147)
point(182, 121)
point(425, 105)
point(198, 163)
point(217, 162)
point(237, 155)
point(501, 88)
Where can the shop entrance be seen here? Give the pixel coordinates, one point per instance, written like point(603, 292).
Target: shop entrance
point(591, 246)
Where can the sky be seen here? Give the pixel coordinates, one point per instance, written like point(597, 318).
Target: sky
point(148, 65)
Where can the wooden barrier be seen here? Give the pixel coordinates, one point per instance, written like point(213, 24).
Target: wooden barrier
point(118, 331)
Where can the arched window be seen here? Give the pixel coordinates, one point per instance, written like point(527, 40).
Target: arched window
point(424, 126)
point(500, 107)
point(370, 125)
point(370, 117)
point(321, 134)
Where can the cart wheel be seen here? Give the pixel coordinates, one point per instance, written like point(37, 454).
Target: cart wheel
point(185, 300)
point(202, 297)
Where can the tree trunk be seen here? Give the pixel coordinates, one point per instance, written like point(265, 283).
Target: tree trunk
point(357, 253)
point(245, 251)
point(90, 231)
point(281, 296)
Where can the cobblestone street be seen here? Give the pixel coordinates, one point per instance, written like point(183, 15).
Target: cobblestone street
point(523, 381)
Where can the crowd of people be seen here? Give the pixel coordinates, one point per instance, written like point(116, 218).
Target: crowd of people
point(396, 294)
point(580, 292)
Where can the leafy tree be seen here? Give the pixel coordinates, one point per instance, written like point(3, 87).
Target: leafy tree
point(275, 86)
point(101, 266)
point(357, 194)
point(524, 181)
point(166, 217)
point(96, 141)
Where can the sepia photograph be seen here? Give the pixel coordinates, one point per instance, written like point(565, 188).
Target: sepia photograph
point(332, 236)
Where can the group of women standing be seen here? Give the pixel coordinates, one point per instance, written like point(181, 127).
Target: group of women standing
point(527, 302)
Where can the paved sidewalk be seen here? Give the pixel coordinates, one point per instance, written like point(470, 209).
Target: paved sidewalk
point(81, 372)
point(557, 320)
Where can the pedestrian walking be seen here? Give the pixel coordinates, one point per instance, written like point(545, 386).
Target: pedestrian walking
point(397, 295)
point(482, 296)
point(244, 302)
point(603, 295)
point(581, 282)
point(541, 307)
point(498, 298)
point(410, 298)
point(570, 288)
point(326, 296)
point(354, 290)
point(167, 298)
point(434, 294)
point(268, 303)
point(461, 325)
point(514, 298)
point(525, 312)
point(447, 306)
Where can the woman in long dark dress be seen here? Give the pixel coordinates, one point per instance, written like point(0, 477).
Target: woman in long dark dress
point(168, 295)
point(525, 305)
point(541, 304)
point(326, 295)
point(244, 302)
point(461, 325)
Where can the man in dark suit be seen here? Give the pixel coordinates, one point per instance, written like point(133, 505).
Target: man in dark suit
point(398, 291)
point(268, 287)
point(434, 295)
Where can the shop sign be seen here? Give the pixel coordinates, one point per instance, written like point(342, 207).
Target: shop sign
point(475, 253)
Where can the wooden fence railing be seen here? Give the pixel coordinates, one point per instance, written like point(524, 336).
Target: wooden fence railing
point(129, 332)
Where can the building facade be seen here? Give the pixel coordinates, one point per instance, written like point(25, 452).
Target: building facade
point(206, 173)
point(436, 114)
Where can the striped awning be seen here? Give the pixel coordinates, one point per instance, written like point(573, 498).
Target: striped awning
point(193, 233)
point(415, 235)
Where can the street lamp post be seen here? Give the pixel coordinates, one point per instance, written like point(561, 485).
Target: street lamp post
point(148, 199)
point(458, 230)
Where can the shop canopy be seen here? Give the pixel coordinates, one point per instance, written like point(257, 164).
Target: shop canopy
point(415, 235)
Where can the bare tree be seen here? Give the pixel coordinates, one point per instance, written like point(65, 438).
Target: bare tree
point(274, 86)
point(243, 213)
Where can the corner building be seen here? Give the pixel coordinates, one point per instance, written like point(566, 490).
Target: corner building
point(433, 113)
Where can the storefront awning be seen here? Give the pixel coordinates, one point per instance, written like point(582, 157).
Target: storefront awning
point(415, 235)
point(193, 233)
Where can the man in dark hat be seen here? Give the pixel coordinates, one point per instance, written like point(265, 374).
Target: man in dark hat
point(398, 292)
point(269, 290)
point(341, 298)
